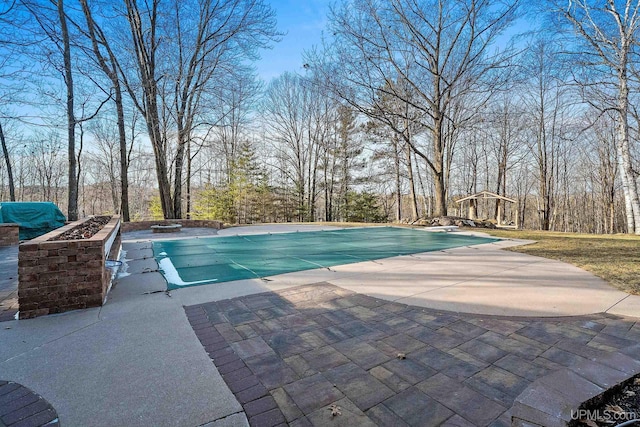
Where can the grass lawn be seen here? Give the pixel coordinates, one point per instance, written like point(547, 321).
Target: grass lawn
point(615, 258)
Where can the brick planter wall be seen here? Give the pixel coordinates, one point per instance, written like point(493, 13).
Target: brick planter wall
point(9, 234)
point(187, 223)
point(58, 276)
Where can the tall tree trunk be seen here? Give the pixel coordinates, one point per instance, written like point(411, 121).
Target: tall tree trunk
point(177, 179)
point(545, 210)
point(5, 153)
point(412, 186)
point(345, 177)
point(146, 44)
point(325, 179)
point(332, 188)
point(124, 158)
point(189, 160)
point(438, 168)
point(497, 206)
point(313, 189)
point(501, 184)
point(441, 195)
point(78, 162)
point(72, 208)
point(396, 158)
point(545, 178)
point(153, 127)
point(629, 184)
point(421, 183)
point(612, 217)
point(94, 33)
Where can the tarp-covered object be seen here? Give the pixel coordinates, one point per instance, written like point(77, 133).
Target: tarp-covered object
point(34, 218)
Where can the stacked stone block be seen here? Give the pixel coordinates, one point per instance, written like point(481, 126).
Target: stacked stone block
point(9, 234)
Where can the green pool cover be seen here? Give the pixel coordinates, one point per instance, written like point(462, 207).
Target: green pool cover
point(192, 262)
point(34, 218)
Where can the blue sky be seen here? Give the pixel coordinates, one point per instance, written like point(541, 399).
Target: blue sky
point(303, 21)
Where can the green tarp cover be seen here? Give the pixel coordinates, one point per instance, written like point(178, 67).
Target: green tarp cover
point(191, 262)
point(34, 218)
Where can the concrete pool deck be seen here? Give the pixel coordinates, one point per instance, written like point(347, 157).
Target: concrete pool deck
point(137, 361)
point(479, 279)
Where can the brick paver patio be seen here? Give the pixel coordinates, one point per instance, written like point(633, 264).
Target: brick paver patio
point(320, 355)
point(21, 407)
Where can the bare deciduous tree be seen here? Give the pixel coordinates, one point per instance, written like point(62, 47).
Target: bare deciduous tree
point(210, 38)
point(109, 65)
point(286, 110)
point(5, 62)
point(609, 34)
point(54, 24)
point(440, 50)
point(545, 98)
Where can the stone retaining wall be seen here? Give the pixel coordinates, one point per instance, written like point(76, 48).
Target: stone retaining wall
point(58, 276)
point(554, 400)
point(188, 223)
point(9, 234)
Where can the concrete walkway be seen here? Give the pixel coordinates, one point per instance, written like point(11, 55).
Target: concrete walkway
point(136, 361)
point(133, 362)
point(486, 280)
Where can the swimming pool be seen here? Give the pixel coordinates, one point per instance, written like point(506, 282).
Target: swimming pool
point(192, 262)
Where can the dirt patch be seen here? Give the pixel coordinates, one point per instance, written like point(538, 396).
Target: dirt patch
point(85, 230)
point(620, 404)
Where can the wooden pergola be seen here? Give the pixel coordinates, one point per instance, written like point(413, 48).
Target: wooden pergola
point(473, 204)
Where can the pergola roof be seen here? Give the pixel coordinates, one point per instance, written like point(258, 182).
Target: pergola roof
point(486, 195)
